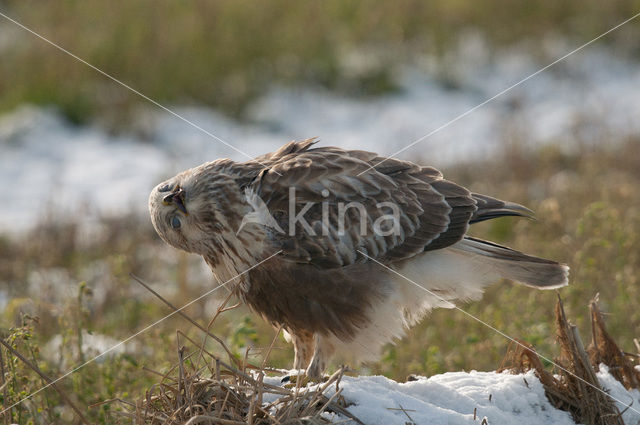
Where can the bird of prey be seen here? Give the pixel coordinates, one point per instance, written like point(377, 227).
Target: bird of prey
point(366, 245)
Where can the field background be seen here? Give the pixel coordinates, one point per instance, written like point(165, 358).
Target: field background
point(67, 290)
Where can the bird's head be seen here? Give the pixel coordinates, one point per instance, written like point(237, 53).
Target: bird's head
point(192, 210)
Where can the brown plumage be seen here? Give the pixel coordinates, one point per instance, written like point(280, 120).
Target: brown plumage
point(332, 285)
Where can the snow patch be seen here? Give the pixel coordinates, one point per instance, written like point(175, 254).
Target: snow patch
point(450, 398)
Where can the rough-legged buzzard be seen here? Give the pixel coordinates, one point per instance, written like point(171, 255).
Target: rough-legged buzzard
point(346, 227)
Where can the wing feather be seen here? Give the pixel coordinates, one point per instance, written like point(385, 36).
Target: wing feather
point(434, 212)
point(489, 208)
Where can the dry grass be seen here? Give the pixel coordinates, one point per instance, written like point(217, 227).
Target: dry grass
point(575, 388)
point(218, 393)
point(604, 350)
point(201, 388)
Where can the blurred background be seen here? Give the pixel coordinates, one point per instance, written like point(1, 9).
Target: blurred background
point(79, 154)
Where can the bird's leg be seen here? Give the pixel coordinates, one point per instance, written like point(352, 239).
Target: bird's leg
point(321, 349)
point(322, 352)
point(303, 349)
point(303, 344)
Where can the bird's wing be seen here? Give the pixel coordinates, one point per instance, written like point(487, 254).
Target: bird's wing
point(332, 189)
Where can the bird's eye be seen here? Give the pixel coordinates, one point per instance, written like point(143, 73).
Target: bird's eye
point(175, 222)
point(165, 188)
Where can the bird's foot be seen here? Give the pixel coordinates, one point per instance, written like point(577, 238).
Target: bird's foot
point(302, 380)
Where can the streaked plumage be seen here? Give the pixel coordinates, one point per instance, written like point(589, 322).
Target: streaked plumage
point(331, 290)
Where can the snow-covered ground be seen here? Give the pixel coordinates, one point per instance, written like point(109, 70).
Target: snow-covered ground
point(48, 165)
point(451, 398)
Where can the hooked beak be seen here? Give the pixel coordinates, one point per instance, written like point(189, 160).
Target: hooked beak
point(176, 198)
